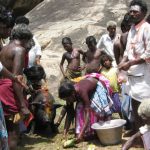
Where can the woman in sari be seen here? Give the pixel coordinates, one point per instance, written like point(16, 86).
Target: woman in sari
point(93, 103)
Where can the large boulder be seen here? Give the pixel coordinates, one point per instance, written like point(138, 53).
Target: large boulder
point(20, 7)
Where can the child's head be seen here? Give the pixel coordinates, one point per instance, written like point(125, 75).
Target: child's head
point(92, 68)
point(144, 111)
point(67, 44)
point(106, 61)
point(91, 42)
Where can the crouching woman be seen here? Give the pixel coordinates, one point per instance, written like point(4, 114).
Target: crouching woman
point(92, 104)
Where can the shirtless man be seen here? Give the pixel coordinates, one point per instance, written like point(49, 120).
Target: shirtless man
point(11, 93)
point(72, 55)
point(92, 56)
point(120, 44)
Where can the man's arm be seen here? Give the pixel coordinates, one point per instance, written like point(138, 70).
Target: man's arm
point(18, 65)
point(131, 141)
point(37, 59)
point(84, 94)
point(61, 65)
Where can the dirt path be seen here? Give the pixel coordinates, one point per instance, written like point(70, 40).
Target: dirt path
point(36, 142)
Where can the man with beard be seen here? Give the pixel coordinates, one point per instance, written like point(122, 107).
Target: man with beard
point(136, 60)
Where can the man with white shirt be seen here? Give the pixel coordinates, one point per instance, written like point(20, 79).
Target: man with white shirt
point(136, 60)
point(107, 40)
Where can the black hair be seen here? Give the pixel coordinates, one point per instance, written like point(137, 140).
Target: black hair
point(22, 19)
point(104, 58)
point(6, 17)
point(125, 24)
point(66, 40)
point(2, 9)
point(148, 18)
point(35, 72)
point(3, 18)
point(66, 89)
point(140, 3)
point(90, 39)
point(21, 32)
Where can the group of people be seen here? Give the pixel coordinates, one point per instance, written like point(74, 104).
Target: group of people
point(95, 86)
point(16, 40)
point(115, 62)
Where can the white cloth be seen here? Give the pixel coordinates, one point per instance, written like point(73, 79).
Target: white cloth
point(138, 46)
point(1, 66)
point(35, 51)
point(144, 129)
point(107, 44)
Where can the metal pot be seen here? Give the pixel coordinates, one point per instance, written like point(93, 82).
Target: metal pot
point(109, 132)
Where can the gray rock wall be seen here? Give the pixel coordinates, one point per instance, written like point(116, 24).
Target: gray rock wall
point(20, 7)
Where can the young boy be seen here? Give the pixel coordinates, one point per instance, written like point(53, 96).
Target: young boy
point(92, 56)
point(144, 131)
point(72, 56)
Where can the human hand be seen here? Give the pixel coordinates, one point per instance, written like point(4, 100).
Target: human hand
point(79, 138)
point(81, 68)
point(19, 79)
point(108, 118)
point(25, 111)
point(124, 66)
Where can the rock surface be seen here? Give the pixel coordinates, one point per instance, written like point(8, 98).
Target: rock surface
point(52, 20)
point(20, 7)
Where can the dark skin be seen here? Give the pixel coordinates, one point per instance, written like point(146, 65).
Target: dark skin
point(87, 87)
point(136, 136)
point(137, 17)
point(92, 57)
point(120, 46)
point(17, 79)
point(14, 53)
point(72, 56)
point(3, 31)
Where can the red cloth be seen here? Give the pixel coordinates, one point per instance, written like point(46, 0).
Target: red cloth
point(7, 97)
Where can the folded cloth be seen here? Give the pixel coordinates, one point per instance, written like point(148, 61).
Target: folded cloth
point(7, 97)
point(100, 101)
point(71, 74)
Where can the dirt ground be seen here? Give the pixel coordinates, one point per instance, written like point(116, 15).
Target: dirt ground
point(36, 142)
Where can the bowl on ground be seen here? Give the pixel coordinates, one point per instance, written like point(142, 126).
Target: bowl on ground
point(109, 132)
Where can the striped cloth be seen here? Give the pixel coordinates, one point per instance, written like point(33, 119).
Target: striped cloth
point(100, 101)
